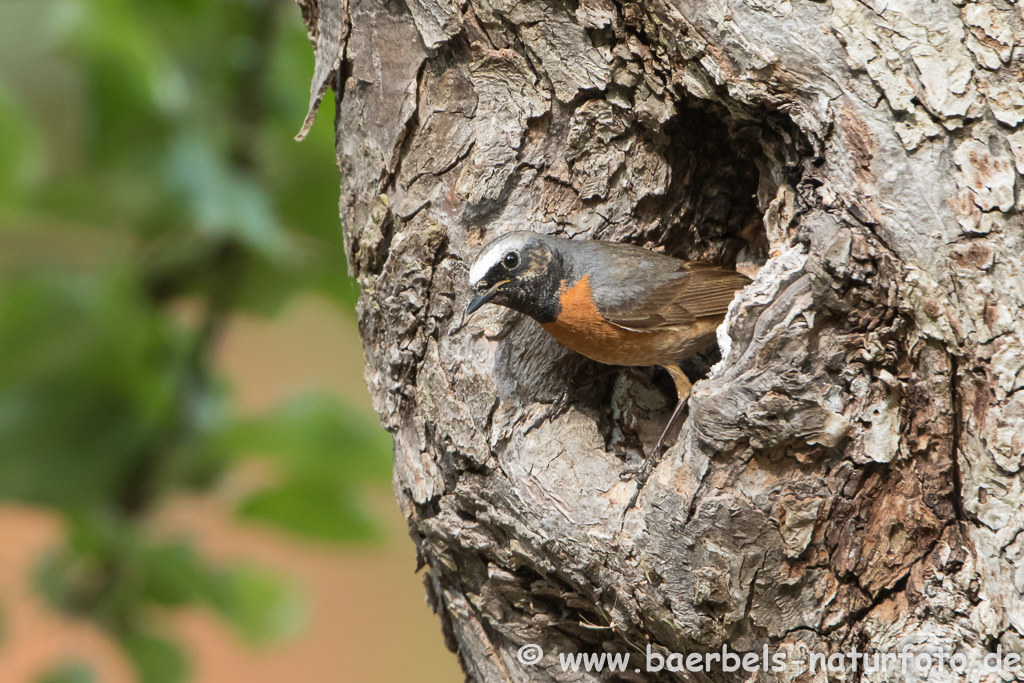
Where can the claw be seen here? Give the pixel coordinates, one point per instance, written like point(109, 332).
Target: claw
point(631, 472)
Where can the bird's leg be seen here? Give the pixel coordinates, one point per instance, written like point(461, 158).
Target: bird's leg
point(561, 404)
point(683, 387)
point(680, 404)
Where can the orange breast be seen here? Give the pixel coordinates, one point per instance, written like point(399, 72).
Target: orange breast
point(582, 328)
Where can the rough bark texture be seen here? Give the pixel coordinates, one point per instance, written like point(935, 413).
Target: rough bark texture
point(850, 474)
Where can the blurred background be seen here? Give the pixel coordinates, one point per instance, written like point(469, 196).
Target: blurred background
point(193, 486)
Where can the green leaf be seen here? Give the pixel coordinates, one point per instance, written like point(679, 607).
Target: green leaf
point(174, 574)
point(21, 149)
point(312, 508)
point(323, 450)
point(132, 80)
point(69, 672)
point(156, 660)
point(260, 604)
point(317, 437)
point(88, 380)
point(99, 573)
point(224, 202)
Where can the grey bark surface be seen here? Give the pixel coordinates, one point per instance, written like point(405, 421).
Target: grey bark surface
point(850, 474)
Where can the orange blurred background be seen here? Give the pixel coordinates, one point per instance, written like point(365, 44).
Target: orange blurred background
point(368, 619)
point(172, 284)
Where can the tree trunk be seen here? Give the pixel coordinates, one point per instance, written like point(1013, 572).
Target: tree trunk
point(849, 474)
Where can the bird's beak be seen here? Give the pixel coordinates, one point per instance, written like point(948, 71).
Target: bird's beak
point(480, 299)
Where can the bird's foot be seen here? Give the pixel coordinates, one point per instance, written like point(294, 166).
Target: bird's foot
point(640, 476)
point(632, 472)
point(642, 473)
point(639, 472)
point(561, 404)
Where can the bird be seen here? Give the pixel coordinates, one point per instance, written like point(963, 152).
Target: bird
point(615, 303)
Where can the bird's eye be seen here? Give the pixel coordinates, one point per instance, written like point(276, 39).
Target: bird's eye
point(511, 260)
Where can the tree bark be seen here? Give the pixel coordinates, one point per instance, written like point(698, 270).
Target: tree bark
point(849, 474)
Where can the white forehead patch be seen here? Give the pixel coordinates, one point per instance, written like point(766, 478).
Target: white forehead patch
point(492, 254)
point(484, 262)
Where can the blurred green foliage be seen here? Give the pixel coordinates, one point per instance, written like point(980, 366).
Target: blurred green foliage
point(302, 440)
point(148, 167)
point(69, 672)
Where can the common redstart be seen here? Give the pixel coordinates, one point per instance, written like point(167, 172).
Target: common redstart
point(615, 303)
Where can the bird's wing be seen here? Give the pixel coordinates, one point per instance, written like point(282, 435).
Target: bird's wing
point(698, 291)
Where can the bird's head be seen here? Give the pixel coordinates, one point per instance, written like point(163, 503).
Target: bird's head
point(520, 270)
